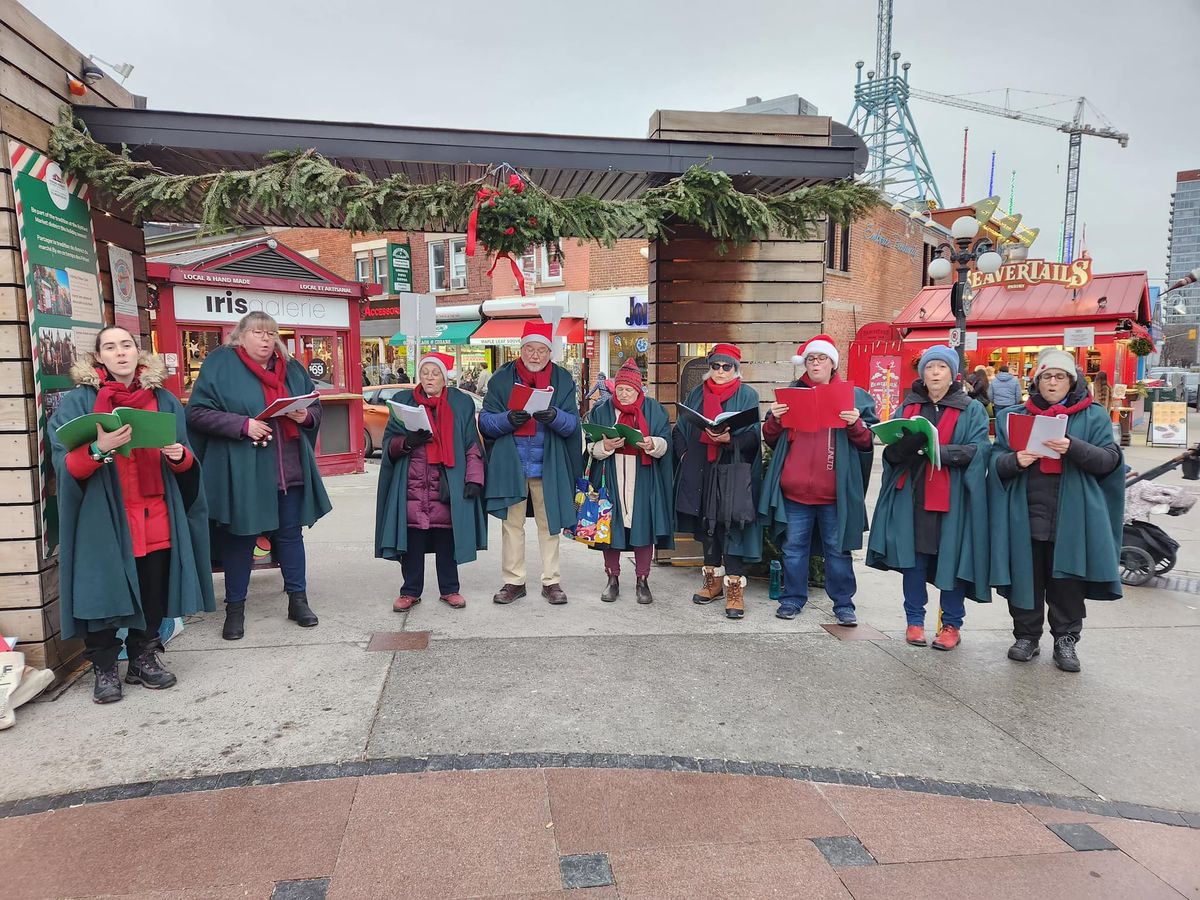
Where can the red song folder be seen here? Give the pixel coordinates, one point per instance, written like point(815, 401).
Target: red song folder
point(816, 408)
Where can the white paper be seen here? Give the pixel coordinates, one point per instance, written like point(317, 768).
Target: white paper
point(414, 418)
point(539, 400)
point(302, 403)
point(1046, 428)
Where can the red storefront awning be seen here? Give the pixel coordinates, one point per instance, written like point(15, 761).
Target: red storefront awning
point(506, 331)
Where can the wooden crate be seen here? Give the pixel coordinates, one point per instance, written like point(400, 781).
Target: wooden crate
point(52, 653)
point(32, 626)
point(24, 591)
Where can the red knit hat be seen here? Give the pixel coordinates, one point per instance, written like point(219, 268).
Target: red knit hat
point(538, 332)
point(443, 361)
point(730, 351)
point(822, 343)
point(631, 375)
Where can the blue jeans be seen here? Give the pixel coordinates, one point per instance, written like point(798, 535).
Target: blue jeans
point(840, 584)
point(237, 551)
point(915, 595)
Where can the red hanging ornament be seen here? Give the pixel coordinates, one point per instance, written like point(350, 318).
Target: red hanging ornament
point(515, 184)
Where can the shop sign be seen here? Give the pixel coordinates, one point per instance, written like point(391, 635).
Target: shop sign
point(1079, 337)
point(639, 312)
point(629, 313)
point(318, 368)
point(589, 345)
point(1168, 424)
point(1017, 276)
point(197, 304)
point(62, 290)
point(399, 268)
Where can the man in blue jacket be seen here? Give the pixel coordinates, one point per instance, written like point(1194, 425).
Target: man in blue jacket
point(533, 462)
point(1006, 389)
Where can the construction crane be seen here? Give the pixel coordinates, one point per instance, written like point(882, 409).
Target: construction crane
point(1075, 127)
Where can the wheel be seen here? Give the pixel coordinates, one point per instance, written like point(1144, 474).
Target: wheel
point(1163, 566)
point(1137, 566)
point(368, 445)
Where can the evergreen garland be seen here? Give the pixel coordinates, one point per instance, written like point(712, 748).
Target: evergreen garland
point(511, 217)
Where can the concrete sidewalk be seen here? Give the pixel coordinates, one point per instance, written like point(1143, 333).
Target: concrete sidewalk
point(672, 678)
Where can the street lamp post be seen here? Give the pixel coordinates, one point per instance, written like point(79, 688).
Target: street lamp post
point(961, 254)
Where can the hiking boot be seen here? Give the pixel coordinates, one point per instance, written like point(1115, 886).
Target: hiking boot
point(299, 612)
point(108, 684)
point(404, 603)
point(1065, 656)
point(712, 589)
point(147, 670)
point(508, 593)
point(454, 601)
point(641, 590)
point(235, 621)
point(1023, 650)
point(612, 590)
point(735, 596)
point(915, 635)
point(947, 639)
point(554, 594)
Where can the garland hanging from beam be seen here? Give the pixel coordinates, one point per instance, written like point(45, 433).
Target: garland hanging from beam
point(506, 218)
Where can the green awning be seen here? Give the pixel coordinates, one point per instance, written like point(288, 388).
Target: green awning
point(447, 333)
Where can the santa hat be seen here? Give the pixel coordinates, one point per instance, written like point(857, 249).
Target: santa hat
point(822, 343)
point(537, 333)
point(631, 375)
point(443, 361)
point(726, 352)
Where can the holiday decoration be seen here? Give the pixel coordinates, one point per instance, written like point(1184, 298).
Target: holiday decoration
point(1140, 346)
point(506, 217)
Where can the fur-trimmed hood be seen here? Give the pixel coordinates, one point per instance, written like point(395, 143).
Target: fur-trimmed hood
point(154, 370)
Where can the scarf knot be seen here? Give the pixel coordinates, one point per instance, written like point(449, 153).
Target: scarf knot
point(274, 386)
point(114, 394)
point(439, 451)
point(539, 380)
point(937, 482)
point(715, 398)
point(1046, 465)
point(634, 416)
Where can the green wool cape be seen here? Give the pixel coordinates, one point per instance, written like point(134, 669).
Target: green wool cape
point(962, 559)
point(97, 573)
point(653, 492)
point(241, 480)
point(391, 497)
point(562, 461)
point(852, 467)
point(746, 541)
point(1087, 540)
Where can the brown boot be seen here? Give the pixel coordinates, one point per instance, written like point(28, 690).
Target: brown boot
point(735, 596)
point(712, 589)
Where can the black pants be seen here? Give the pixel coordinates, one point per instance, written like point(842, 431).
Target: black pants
point(103, 647)
point(440, 542)
point(715, 555)
point(1064, 597)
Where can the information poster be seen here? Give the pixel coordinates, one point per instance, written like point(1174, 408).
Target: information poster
point(62, 289)
point(125, 308)
point(885, 385)
point(1168, 424)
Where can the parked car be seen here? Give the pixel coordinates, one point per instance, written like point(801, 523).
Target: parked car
point(375, 413)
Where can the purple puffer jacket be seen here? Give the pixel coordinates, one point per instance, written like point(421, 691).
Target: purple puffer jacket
point(424, 509)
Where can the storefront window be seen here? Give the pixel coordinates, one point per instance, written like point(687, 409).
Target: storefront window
point(196, 345)
point(626, 345)
point(320, 349)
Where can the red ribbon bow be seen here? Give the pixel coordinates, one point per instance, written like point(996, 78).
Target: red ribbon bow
point(516, 269)
point(483, 194)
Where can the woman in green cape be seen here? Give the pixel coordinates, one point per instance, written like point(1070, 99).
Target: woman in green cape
point(133, 525)
point(260, 477)
point(639, 479)
point(430, 487)
point(1056, 522)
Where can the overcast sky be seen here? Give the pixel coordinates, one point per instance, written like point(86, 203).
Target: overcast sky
point(603, 68)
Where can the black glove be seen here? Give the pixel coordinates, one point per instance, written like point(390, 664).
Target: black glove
point(518, 417)
point(472, 490)
point(546, 416)
point(906, 449)
point(417, 438)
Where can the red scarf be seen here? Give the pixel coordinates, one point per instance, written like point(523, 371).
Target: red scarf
point(274, 386)
point(633, 415)
point(112, 393)
point(439, 451)
point(536, 380)
point(715, 396)
point(1045, 464)
point(937, 481)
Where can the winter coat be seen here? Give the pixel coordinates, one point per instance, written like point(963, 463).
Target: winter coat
point(98, 580)
point(1005, 389)
point(426, 509)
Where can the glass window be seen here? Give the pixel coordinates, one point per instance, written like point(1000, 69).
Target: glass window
point(196, 346)
point(381, 272)
point(438, 275)
point(458, 264)
point(362, 268)
point(551, 268)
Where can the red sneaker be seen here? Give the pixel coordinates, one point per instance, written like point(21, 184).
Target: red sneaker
point(947, 639)
point(454, 601)
point(403, 603)
point(915, 635)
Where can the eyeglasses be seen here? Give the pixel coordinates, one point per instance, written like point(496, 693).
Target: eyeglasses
point(816, 357)
point(1055, 376)
point(259, 333)
point(721, 367)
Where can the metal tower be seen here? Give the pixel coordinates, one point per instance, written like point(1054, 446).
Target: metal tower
point(882, 118)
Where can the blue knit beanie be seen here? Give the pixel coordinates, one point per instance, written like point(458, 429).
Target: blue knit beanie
point(940, 354)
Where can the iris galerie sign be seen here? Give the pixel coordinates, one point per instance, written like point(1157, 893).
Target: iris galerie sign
point(1017, 276)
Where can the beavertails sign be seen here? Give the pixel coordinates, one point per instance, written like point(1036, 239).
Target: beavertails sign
point(1017, 276)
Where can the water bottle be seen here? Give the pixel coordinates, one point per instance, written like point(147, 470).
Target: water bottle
point(776, 585)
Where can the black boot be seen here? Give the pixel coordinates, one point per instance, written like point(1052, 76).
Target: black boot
point(146, 669)
point(642, 591)
point(612, 590)
point(1023, 650)
point(108, 684)
point(235, 621)
point(1065, 656)
point(298, 610)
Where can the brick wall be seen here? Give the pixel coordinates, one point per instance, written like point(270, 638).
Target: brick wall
point(621, 266)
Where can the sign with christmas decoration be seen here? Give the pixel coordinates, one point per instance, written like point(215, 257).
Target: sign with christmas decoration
point(1016, 276)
